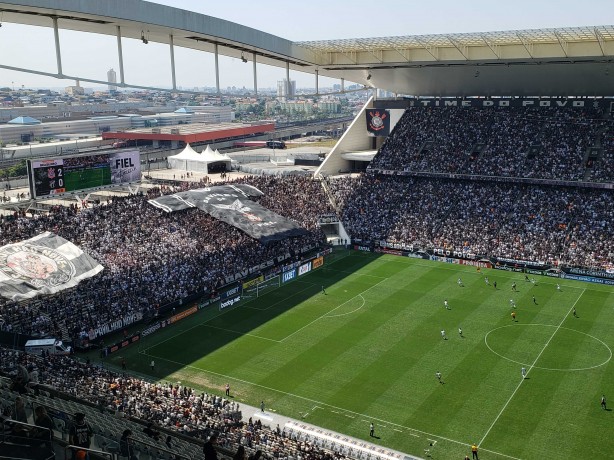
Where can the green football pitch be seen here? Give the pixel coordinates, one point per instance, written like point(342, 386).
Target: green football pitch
point(89, 178)
point(368, 350)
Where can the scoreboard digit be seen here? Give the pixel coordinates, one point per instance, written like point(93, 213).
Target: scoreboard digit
point(46, 177)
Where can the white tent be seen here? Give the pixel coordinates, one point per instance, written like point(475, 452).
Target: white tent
point(190, 160)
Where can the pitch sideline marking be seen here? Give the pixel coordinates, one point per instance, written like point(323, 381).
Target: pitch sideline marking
point(531, 367)
point(241, 333)
point(228, 377)
point(329, 312)
point(222, 312)
point(350, 312)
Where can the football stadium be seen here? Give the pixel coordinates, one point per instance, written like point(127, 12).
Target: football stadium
point(440, 286)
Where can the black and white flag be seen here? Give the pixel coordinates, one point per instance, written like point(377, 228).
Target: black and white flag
point(45, 264)
point(232, 204)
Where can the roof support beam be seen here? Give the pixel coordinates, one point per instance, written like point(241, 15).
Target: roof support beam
point(377, 56)
point(494, 48)
point(58, 53)
point(427, 48)
point(172, 48)
point(562, 42)
point(401, 52)
point(462, 49)
point(528, 46)
point(600, 40)
point(120, 55)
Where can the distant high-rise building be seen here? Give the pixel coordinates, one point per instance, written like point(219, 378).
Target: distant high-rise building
point(286, 89)
point(112, 78)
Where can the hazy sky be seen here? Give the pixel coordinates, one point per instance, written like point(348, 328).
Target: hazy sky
point(92, 55)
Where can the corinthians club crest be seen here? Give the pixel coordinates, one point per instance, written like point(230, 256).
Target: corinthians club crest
point(37, 266)
point(378, 122)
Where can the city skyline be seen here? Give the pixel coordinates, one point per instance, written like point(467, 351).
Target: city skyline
point(91, 56)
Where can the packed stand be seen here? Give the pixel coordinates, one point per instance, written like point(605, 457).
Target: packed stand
point(159, 406)
point(602, 170)
point(528, 222)
point(151, 258)
point(540, 143)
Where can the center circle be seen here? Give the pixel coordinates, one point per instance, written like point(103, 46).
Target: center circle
point(492, 345)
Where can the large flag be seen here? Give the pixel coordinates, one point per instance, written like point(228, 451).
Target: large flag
point(44, 264)
point(232, 204)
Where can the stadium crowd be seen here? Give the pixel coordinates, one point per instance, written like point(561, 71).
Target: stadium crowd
point(158, 406)
point(543, 223)
point(152, 258)
point(541, 143)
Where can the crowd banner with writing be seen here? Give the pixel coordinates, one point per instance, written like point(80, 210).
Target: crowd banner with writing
point(45, 264)
point(232, 204)
point(378, 122)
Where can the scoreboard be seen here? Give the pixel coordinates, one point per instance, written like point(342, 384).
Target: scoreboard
point(48, 175)
point(56, 176)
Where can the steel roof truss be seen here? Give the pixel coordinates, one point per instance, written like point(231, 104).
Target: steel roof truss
point(600, 40)
point(528, 46)
point(493, 47)
point(462, 49)
point(562, 42)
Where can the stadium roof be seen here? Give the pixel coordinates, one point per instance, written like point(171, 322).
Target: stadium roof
point(573, 61)
point(528, 37)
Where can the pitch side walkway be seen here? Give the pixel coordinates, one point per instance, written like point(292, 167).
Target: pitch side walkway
point(351, 447)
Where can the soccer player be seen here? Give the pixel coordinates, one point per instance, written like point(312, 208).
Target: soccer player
point(523, 371)
point(460, 331)
point(371, 430)
point(603, 403)
point(513, 316)
point(438, 375)
point(574, 312)
point(445, 304)
point(512, 303)
point(514, 286)
point(323, 290)
point(443, 335)
point(533, 280)
point(534, 301)
point(495, 284)
point(558, 287)
point(486, 281)
point(460, 282)
point(526, 278)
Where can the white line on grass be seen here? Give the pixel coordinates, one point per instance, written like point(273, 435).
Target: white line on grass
point(329, 312)
point(280, 301)
point(345, 411)
point(241, 333)
point(204, 323)
point(353, 273)
point(350, 312)
point(531, 367)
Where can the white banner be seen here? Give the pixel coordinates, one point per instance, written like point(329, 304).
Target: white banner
point(45, 264)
